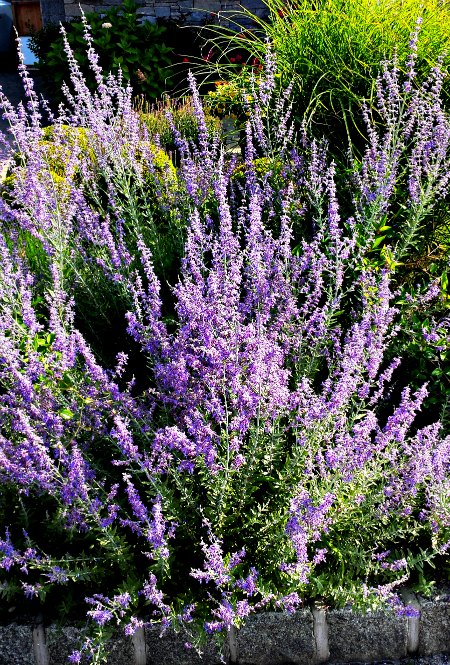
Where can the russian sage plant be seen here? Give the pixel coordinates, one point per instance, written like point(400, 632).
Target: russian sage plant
point(219, 435)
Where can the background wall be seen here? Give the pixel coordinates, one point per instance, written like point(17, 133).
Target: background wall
point(189, 12)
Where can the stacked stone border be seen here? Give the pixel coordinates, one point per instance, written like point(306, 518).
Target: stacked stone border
point(186, 12)
point(308, 637)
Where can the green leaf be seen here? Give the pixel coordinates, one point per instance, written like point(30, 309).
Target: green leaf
point(378, 241)
point(66, 414)
point(67, 381)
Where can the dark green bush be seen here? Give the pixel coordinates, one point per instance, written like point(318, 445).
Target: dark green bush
point(120, 41)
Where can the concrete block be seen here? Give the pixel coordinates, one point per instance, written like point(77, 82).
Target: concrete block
point(260, 12)
point(254, 5)
point(162, 11)
point(61, 642)
point(16, 645)
point(434, 632)
point(276, 638)
point(208, 5)
point(169, 649)
point(111, 3)
point(195, 17)
point(365, 638)
point(120, 650)
point(52, 12)
point(74, 10)
point(228, 7)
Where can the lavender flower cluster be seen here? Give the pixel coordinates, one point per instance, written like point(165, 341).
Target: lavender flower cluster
point(262, 423)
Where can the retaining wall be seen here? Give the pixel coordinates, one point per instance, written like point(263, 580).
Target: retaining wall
point(308, 637)
point(188, 12)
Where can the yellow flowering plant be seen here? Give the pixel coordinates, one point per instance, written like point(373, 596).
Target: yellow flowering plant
point(234, 97)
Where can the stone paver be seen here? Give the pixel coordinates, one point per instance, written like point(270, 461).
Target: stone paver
point(274, 638)
point(364, 638)
point(169, 649)
point(16, 645)
point(434, 632)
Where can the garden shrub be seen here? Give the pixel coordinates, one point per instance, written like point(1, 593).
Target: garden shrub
point(121, 42)
point(250, 439)
point(229, 98)
point(263, 168)
point(182, 113)
point(59, 142)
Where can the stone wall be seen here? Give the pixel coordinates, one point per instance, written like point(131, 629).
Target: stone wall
point(186, 12)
